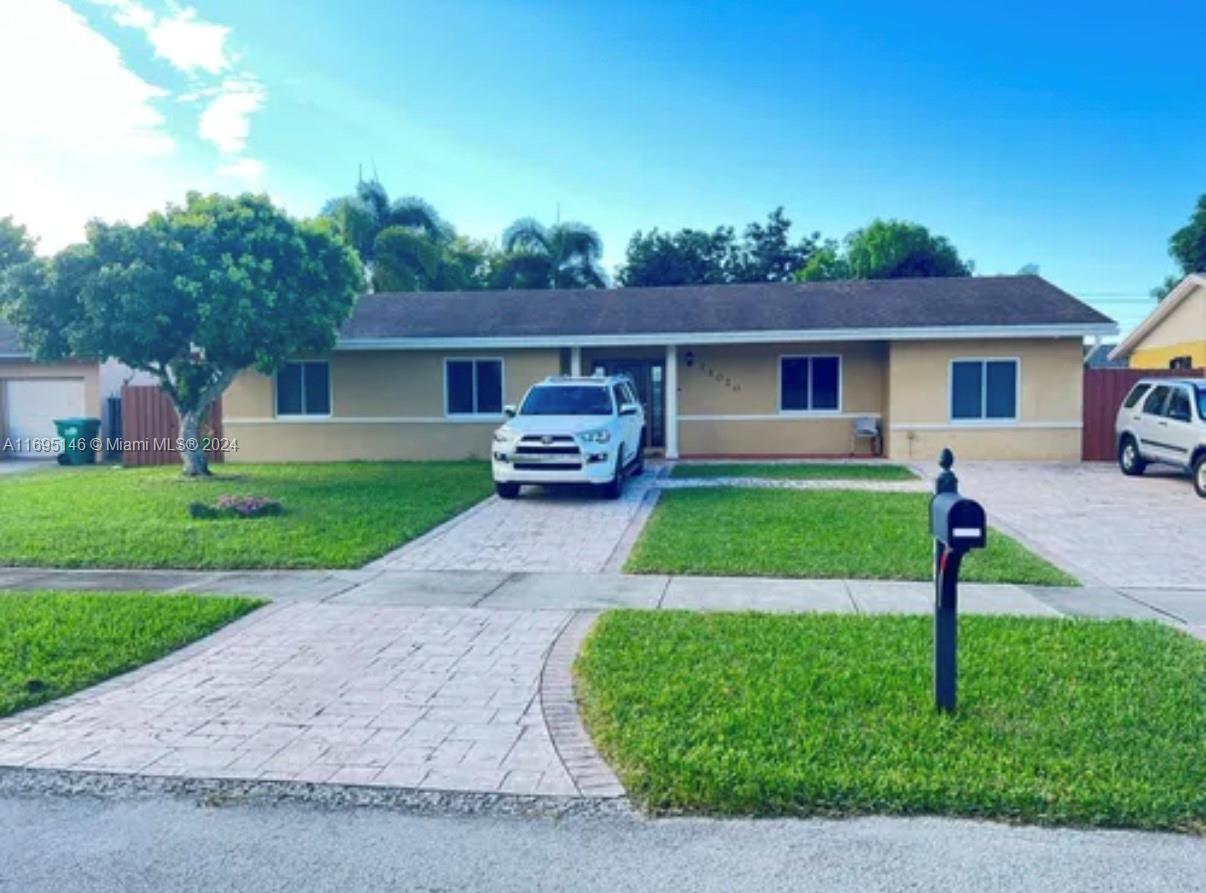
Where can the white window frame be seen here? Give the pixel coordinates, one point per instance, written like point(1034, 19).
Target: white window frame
point(475, 415)
point(303, 415)
point(982, 419)
point(810, 357)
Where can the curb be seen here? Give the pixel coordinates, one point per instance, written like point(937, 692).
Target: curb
point(587, 769)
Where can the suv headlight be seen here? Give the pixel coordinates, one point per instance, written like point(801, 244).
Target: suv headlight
point(599, 435)
point(504, 435)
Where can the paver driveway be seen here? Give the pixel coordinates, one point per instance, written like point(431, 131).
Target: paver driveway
point(1102, 526)
point(429, 698)
point(570, 530)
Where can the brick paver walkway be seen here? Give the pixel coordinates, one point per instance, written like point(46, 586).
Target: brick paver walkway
point(1090, 518)
point(569, 530)
point(427, 698)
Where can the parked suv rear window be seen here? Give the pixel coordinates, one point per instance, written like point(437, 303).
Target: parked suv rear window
point(1201, 403)
point(1154, 404)
point(567, 400)
point(1136, 392)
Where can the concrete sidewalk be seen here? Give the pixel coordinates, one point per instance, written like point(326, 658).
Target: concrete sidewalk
point(566, 591)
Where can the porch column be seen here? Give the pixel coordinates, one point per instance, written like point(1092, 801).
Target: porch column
point(575, 361)
point(671, 401)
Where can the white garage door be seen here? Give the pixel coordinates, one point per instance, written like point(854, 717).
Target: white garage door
point(32, 405)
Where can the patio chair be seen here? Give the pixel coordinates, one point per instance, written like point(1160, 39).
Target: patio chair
point(866, 427)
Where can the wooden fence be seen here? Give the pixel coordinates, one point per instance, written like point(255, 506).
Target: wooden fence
point(149, 427)
point(1104, 391)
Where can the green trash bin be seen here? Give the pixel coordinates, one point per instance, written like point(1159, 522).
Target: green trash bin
point(78, 436)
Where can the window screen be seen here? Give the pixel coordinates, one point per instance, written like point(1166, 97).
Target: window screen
point(304, 389)
point(810, 384)
point(473, 387)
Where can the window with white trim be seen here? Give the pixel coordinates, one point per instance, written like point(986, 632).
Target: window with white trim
point(984, 390)
point(473, 387)
point(810, 383)
point(304, 388)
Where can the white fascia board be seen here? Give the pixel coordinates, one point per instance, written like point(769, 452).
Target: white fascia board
point(1180, 291)
point(929, 333)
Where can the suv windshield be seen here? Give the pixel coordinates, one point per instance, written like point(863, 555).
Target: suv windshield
point(567, 400)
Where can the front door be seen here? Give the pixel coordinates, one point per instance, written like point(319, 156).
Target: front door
point(648, 378)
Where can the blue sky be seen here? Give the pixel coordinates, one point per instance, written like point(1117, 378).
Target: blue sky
point(1050, 133)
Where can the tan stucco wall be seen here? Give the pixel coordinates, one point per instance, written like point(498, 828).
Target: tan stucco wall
point(88, 371)
point(384, 405)
point(1049, 404)
point(743, 380)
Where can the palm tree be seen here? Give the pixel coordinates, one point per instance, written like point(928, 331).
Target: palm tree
point(564, 255)
point(401, 242)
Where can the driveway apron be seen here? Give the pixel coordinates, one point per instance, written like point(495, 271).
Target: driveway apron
point(426, 698)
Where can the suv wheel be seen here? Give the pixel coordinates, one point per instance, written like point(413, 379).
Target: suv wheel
point(614, 488)
point(638, 467)
point(1129, 459)
point(1199, 475)
point(506, 490)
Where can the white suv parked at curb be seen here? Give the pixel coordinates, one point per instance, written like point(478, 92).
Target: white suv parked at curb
point(1164, 420)
point(571, 431)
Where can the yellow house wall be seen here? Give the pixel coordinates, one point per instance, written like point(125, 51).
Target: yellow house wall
point(89, 372)
point(728, 400)
point(384, 405)
point(1181, 333)
point(1049, 401)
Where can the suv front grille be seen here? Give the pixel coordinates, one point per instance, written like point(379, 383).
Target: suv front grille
point(547, 452)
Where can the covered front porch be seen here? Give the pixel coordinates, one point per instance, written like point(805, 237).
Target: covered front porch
point(751, 400)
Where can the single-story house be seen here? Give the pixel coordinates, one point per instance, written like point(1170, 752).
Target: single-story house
point(1173, 335)
point(989, 365)
point(33, 395)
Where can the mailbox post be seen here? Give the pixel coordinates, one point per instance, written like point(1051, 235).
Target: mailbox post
point(957, 525)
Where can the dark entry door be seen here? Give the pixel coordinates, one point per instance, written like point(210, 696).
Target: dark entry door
point(649, 378)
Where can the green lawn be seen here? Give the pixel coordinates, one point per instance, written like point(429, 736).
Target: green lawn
point(1060, 721)
point(794, 471)
point(54, 643)
point(833, 533)
point(336, 515)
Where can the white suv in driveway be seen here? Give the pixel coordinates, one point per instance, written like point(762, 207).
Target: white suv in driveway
point(1164, 420)
point(571, 431)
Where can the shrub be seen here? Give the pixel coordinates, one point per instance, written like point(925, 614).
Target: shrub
point(236, 507)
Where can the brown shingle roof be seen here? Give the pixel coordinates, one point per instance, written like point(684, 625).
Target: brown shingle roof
point(863, 304)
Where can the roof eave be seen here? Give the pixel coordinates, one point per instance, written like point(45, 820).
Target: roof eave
point(921, 333)
point(1166, 306)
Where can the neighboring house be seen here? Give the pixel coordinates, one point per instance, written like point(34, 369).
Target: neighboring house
point(1098, 357)
point(990, 366)
point(1173, 336)
point(33, 395)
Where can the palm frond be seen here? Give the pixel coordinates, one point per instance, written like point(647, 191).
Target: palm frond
point(527, 234)
point(418, 213)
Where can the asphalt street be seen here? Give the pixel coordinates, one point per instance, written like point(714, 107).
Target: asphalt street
point(88, 844)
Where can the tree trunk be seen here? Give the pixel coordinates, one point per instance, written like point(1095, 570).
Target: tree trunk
point(192, 449)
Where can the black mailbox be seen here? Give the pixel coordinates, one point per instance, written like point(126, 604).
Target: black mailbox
point(957, 522)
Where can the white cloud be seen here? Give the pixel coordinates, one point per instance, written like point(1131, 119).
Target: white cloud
point(94, 100)
point(82, 136)
point(199, 49)
point(179, 37)
point(226, 121)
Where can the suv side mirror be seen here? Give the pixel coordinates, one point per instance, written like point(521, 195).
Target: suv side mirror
point(509, 410)
point(630, 409)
